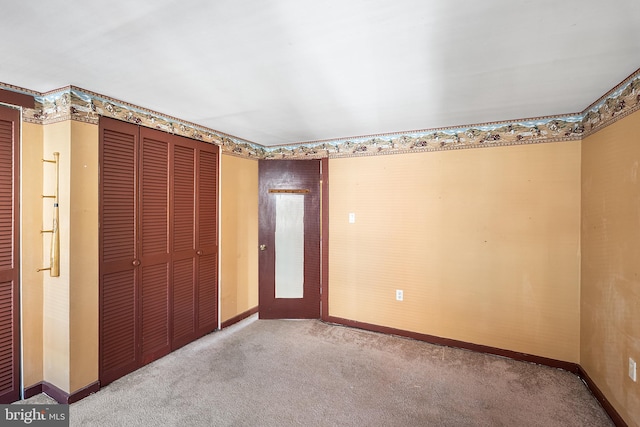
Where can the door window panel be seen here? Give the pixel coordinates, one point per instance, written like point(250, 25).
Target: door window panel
point(289, 245)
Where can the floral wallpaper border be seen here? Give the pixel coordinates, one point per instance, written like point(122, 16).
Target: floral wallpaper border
point(532, 131)
point(73, 103)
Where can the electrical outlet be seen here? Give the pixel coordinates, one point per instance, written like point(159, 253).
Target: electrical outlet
point(632, 369)
point(399, 295)
point(352, 218)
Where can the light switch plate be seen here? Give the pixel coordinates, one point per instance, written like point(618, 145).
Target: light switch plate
point(632, 369)
point(352, 218)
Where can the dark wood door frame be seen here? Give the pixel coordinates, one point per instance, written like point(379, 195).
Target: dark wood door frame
point(324, 238)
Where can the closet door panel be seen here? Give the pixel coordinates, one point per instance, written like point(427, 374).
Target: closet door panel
point(154, 244)
point(207, 239)
point(119, 337)
point(184, 237)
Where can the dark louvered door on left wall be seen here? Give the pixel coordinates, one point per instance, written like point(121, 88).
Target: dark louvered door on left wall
point(158, 245)
point(9, 304)
point(119, 293)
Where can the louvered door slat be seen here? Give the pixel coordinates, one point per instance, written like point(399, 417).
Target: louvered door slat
point(155, 184)
point(118, 197)
point(9, 297)
point(183, 301)
point(6, 194)
point(155, 319)
point(184, 200)
point(207, 294)
point(207, 190)
point(118, 322)
point(7, 327)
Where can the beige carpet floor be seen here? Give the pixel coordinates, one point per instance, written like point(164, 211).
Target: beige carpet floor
point(308, 373)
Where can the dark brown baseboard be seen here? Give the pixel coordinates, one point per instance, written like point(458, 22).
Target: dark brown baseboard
point(574, 368)
point(567, 366)
point(32, 390)
point(239, 317)
point(64, 397)
point(608, 407)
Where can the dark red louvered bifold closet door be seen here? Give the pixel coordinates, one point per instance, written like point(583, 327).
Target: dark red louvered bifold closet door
point(184, 244)
point(119, 290)
point(154, 254)
point(9, 305)
point(159, 222)
point(194, 231)
point(207, 267)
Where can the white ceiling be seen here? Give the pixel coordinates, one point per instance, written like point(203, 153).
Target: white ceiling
point(286, 71)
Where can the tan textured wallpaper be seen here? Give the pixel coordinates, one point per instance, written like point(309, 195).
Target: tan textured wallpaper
point(238, 236)
point(57, 137)
point(84, 257)
point(70, 301)
point(610, 321)
point(484, 244)
point(31, 253)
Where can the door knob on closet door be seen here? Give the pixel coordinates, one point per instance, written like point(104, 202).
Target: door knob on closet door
point(198, 252)
point(136, 262)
